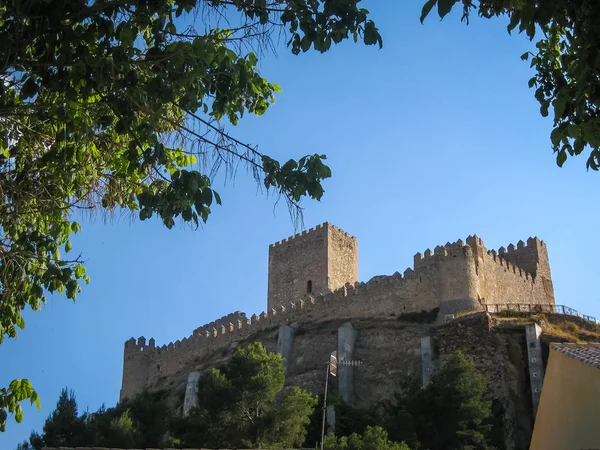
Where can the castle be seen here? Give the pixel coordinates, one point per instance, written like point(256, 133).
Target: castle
point(314, 275)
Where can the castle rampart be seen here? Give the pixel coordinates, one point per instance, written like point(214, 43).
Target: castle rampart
point(455, 277)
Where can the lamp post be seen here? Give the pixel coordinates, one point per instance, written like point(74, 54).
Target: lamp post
point(332, 366)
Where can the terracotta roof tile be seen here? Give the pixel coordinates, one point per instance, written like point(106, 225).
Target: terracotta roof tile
point(588, 353)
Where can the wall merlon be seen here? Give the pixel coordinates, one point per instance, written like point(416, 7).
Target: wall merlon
point(325, 225)
point(417, 258)
point(130, 343)
point(339, 294)
point(409, 273)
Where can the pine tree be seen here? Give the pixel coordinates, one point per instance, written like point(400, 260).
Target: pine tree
point(64, 427)
point(239, 408)
point(450, 413)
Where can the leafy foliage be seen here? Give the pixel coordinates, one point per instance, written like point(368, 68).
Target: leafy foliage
point(121, 105)
point(238, 407)
point(374, 438)
point(24, 446)
point(350, 418)
point(140, 422)
point(17, 391)
point(449, 413)
point(123, 433)
point(567, 64)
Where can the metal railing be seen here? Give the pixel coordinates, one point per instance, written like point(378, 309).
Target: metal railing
point(536, 308)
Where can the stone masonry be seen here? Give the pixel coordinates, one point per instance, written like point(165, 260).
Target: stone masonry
point(320, 260)
point(313, 278)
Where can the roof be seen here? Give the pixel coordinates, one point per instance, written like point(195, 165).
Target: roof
point(588, 353)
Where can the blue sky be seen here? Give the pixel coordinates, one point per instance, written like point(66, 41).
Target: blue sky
point(430, 139)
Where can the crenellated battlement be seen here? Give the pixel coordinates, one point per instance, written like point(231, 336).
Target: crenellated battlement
point(449, 250)
point(319, 227)
point(239, 324)
point(499, 259)
point(456, 277)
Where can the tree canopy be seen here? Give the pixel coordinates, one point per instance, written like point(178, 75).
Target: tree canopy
point(238, 406)
point(373, 438)
point(450, 413)
point(243, 404)
point(566, 61)
point(141, 422)
point(121, 105)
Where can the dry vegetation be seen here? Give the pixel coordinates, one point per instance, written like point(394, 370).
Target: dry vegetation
point(558, 327)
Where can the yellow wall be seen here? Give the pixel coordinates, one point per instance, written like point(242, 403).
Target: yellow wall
point(569, 412)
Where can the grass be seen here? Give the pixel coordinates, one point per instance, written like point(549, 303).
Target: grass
point(563, 327)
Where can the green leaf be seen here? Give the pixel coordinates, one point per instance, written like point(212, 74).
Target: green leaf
point(171, 28)
point(515, 18)
point(573, 131)
point(559, 104)
point(79, 271)
point(217, 197)
point(445, 6)
point(207, 196)
point(305, 43)
point(561, 157)
point(126, 36)
point(525, 56)
point(556, 136)
point(427, 8)
point(67, 246)
point(19, 414)
point(35, 399)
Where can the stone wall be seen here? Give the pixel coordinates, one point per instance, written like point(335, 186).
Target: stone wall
point(501, 281)
point(502, 358)
point(316, 261)
point(455, 278)
point(390, 350)
point(342, 258)
point(298, 265)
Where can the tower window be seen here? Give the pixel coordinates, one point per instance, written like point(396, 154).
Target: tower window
point(309, 286)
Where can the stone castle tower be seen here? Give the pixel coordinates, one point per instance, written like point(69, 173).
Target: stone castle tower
point(311, 263)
